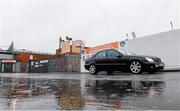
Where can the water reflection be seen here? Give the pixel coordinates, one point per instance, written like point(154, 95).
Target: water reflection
point(51, 94)
point(113, 93)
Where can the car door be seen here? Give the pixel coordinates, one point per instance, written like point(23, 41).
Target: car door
point(114, 58)
point(101, 60)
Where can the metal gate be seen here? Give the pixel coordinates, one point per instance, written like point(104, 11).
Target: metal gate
point(66, 63)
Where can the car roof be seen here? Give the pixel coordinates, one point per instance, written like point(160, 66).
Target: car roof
point(104, 50)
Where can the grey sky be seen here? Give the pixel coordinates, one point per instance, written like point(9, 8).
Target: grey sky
point(37, 24)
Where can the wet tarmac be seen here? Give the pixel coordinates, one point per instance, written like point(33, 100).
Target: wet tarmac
point(159, 91)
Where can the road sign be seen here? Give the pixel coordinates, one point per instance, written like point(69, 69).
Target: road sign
point(122, 43)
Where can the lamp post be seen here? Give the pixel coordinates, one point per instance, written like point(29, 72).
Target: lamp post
point(127, 36)
point(171, 25)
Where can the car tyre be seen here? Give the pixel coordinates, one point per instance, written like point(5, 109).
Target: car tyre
point(135, 67)
point(92, 69)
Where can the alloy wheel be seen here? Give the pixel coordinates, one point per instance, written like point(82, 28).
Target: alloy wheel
point(92, 69)
point(135, 67)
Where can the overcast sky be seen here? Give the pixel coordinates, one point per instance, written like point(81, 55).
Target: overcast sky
point(37, 24)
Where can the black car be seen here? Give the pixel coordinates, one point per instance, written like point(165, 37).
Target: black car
point(111, 60)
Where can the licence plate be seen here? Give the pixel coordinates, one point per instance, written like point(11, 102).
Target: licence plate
point(159, 65)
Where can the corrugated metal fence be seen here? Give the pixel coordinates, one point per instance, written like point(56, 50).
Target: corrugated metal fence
point(21, 67)
point(66, 63)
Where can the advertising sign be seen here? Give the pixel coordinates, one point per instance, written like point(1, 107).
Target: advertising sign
point(113, 45)
point(6, 56)
point(8, 61)
point(122, 43)
point(31, 57)
point(43, 61)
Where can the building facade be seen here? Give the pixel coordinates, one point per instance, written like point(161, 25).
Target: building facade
point(7, 62)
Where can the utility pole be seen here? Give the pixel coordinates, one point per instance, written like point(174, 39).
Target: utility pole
point(127, 36)
point(171, 25)
point(60, 40)
point(133, 34)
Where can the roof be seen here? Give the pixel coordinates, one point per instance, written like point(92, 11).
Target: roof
point(33, 52)
point(15, 51)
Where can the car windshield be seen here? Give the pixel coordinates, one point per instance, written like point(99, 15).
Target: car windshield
point(124, 52)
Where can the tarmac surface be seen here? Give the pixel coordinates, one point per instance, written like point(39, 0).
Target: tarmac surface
point(57, 91)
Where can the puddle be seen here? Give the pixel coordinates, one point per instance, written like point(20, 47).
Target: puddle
point(70, 94)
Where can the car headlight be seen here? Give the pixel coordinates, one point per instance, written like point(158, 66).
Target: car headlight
point(149, 59)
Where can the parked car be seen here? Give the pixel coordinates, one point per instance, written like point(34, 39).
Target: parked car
point(111, 60)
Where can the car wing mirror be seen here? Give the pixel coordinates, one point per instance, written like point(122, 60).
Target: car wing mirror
point(119, 56)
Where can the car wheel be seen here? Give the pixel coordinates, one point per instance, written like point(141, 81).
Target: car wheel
point(92, 69)
point(110, 72)
point(135, 67)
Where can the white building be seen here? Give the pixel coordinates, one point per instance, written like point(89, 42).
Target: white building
point(165, 45)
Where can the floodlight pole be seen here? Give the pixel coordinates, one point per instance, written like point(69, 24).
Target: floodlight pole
point(171, 25)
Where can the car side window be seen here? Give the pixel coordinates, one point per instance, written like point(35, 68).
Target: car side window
point(101, 54)
point(112, 53)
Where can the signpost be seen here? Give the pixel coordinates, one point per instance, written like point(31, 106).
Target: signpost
point(122, 43)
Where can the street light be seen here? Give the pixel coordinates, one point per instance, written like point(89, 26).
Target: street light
point(171, 25)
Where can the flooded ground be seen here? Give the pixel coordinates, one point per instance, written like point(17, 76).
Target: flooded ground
point(159, 91)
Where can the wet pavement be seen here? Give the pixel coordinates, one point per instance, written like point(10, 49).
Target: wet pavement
point(159, 91)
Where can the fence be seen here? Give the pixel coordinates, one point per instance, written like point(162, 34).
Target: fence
point(38, 66)
point(21, 67)
point(66, 63)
